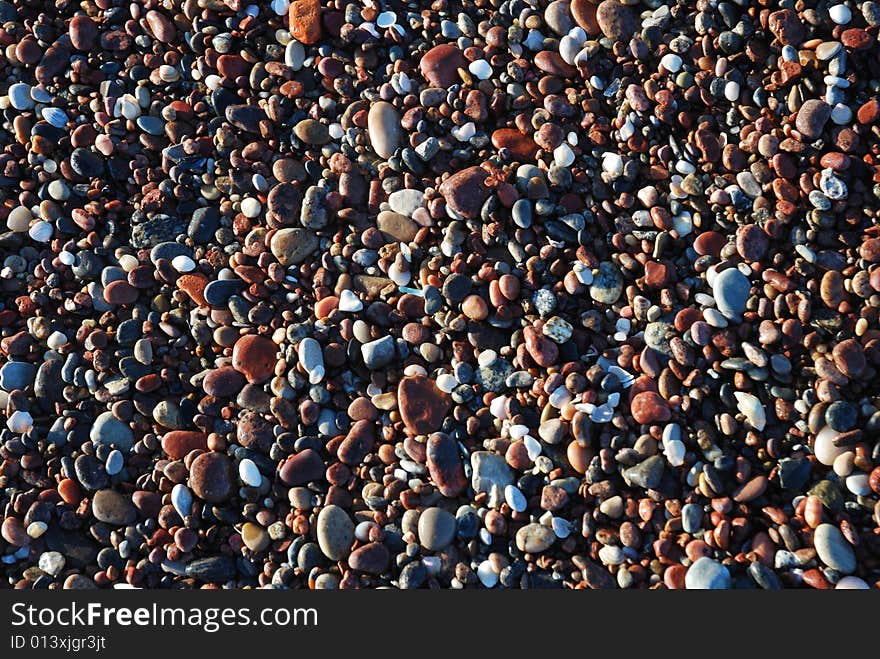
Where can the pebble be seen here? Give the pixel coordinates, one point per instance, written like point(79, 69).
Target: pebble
point(833, 549)
point(707, 574)
point(335, 532)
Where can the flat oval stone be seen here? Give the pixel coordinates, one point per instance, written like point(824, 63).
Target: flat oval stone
point(109, 430)
point(833, 549)
point(436, 528)
point(521, 147)
point(178, 443)
point(223, 382)
point(358, 443)
point(812, 117)
point(335, 532)
point(731, 291)
point(302, 468)
point(113, 508)
point(210, 477)
point(372, 558)
point(383, 127)
point(445, 465)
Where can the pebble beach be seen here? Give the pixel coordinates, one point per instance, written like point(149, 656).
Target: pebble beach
point(480, 294)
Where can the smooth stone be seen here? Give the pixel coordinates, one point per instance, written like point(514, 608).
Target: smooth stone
point(378, 353)
point(730, 289)
point(383, 127)
point(293, 246)
point(113, 508)
point(17, 375)
point(210, 477)
point(534, 538)
point(249, 473)
point(707, 574)
point(436, 528)
point(109, 430)
point(833, 549)
point(335, 532)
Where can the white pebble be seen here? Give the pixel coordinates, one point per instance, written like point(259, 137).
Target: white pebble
point(852, 583)
point(349, 301)
point(487, 358)
point(533, 447)
point(731, 90)
point(514, 498)
point(749, 405)
point(612, 164)
point(19, 219)
point(57, 340)
point(481, 68)
point(671, 62)
point(840, 14)
point(518, 431)
point(498, 407)
point(249, 474)
point(563, 155)
point(251, 207)
point(181, 499)
point(183, 263)
point(20, 421)
point(36, 529)
point(446, 382)
point(41, 231)
point(486, 574)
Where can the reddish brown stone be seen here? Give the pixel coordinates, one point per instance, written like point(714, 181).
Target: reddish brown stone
point(541, 349)
point(869, 111)
point(709, 243)
point(161, 26)
point(521, 147)
point(254, 356)
point(120, 292)
point(372, 558)
point(358, 443)
point(302, 468)
point(422, 405)
point(223, 382)
point(649, 407)
point(786, 26)
point(440, 65)
point(444, 465)
point(194, 286)
point(466, 191)
point(584, 14)
point(83, 33)
point(210, 477)
point(849, 357)
point(177, 443)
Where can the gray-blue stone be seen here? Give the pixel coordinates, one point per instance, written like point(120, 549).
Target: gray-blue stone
point(731, 291)
point(17, 375)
